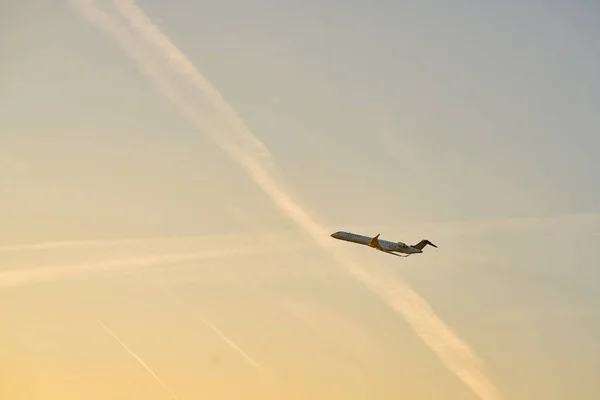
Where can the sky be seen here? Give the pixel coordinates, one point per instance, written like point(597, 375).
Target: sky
point(170, 173)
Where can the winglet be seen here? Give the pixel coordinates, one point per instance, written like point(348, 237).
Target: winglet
point(375, 242)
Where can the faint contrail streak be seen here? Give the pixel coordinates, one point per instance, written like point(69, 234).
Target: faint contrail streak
point(27, 276)
point(221, 123)
point(142, 363)
point(98, 242)
point(20, 277)
point(59, 244)
point(213, 327)
point(232, 344)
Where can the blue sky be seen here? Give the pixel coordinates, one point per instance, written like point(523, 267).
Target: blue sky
point(506, 88)
point(471, 125)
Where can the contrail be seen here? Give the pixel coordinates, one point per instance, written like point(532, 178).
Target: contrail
point(21, 277)
point(230, 133)
point(232, 344)
point(213, 327)
point(58, 244)
point(143, 364)
point(26, 276)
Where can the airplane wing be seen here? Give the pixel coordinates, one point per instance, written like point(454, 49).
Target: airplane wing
point(375, 242)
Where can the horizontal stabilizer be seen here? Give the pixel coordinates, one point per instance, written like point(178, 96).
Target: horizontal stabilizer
point(423, 243)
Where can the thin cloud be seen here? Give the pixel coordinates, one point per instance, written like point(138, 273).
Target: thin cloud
point(224, 126)
point(139, 360)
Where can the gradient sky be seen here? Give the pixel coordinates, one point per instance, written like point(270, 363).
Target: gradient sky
point(139, 260)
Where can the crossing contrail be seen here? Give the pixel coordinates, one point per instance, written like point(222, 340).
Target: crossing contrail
point(216, 118)
point(139, 360)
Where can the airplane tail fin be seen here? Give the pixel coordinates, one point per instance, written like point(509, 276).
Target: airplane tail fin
point(423, 243)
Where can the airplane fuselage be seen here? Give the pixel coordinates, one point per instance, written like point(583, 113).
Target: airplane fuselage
point(385, 245)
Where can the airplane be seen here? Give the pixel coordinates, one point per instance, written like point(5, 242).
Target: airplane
point(383, 245)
